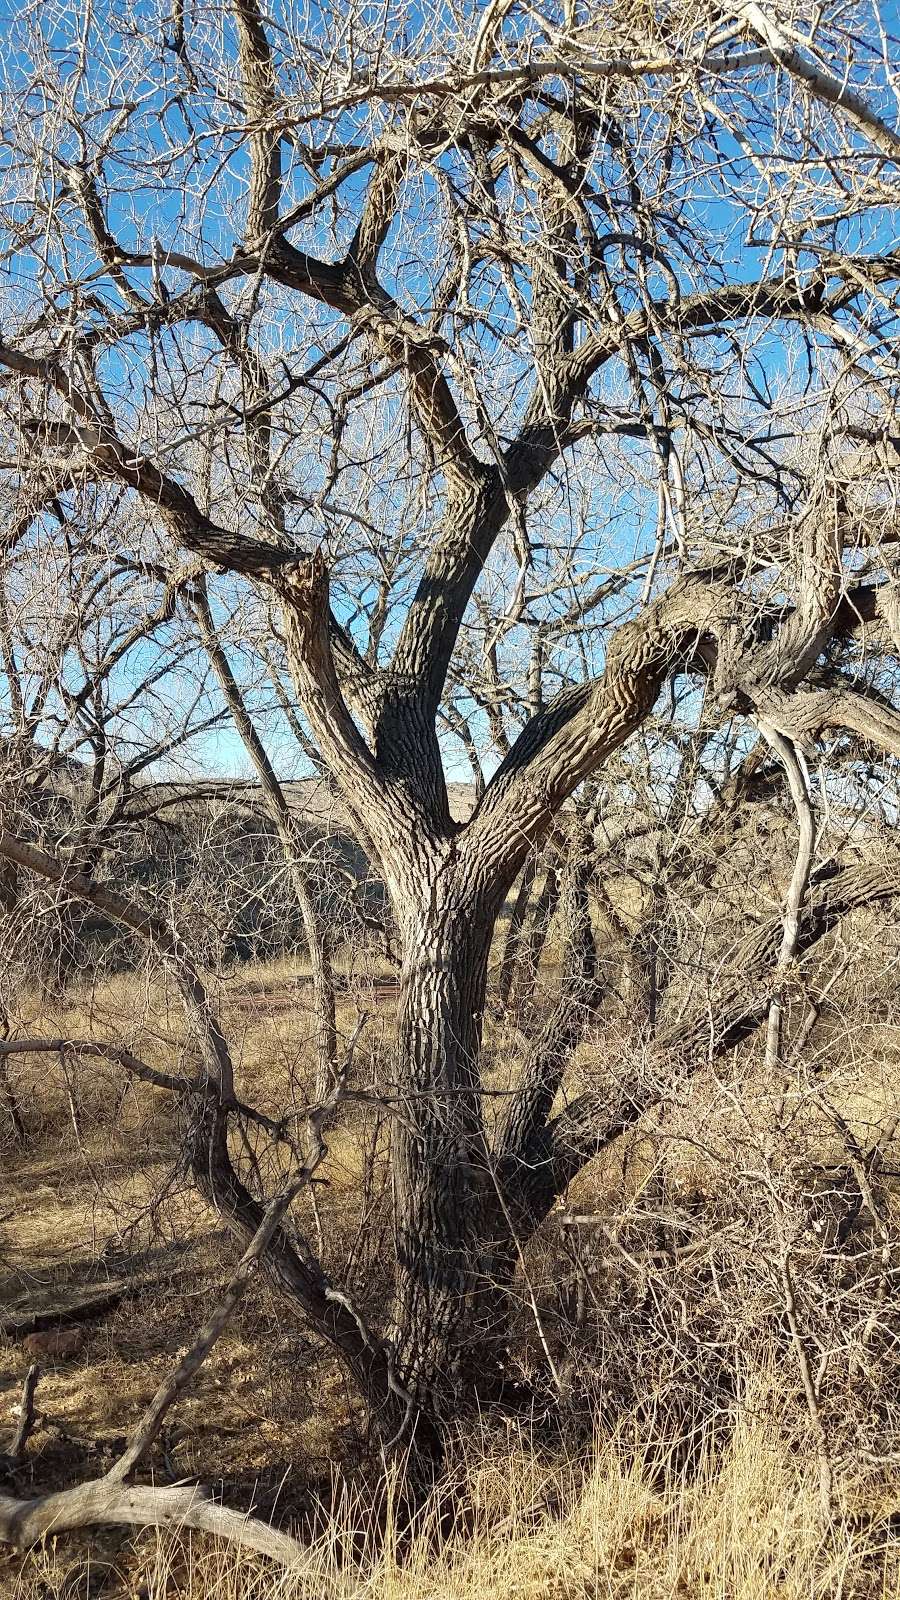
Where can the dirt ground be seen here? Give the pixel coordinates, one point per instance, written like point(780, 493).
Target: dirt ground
point(99, 1232)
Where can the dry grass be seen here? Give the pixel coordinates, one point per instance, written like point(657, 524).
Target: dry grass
point(742, 1522)
point(744, 1527)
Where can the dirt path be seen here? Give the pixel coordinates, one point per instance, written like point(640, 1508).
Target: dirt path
point(282, 995)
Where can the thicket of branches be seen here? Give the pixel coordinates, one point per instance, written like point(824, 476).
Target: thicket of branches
point(513, 396)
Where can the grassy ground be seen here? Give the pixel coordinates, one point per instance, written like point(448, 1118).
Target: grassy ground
point(745, 1527)
point(269, 1415)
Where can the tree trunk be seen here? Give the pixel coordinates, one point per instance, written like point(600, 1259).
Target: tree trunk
point(440, 1166)
point(514, 933)
point(531, 945)
point(456, 1230)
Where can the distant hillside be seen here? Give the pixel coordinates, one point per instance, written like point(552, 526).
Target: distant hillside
point(313, 798)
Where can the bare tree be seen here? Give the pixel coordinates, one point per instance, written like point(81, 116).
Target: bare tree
point(442, 346)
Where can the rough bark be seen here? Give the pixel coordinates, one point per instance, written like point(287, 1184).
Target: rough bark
point(439, 1157)
point(374, 728)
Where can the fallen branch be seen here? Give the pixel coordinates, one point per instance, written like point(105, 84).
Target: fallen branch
point(30, 1314)
point(105, 1500)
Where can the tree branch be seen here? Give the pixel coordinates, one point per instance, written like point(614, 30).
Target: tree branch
point(154, 933)
point(150, 1423)
point(294, 1268)
point(820, 84)
point(102, 1501)
point(117, 1054)
point(567, 741)
point(586, 1127)
point(799, 884)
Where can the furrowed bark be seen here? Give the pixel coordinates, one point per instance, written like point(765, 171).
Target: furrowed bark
point(671, 294)
point(439, 1156)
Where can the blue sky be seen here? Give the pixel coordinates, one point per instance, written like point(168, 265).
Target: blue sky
point(142, 206)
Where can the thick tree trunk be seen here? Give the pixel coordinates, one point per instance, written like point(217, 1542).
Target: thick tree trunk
point(456, 1217)
point(440, 1162)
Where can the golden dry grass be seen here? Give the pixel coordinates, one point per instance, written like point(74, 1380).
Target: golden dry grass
point(745, 1526)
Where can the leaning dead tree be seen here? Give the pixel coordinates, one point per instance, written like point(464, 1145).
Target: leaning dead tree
point(490, 382)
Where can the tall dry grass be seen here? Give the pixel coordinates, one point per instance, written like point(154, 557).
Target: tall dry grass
point(683, 1296)
point(744, 1525)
